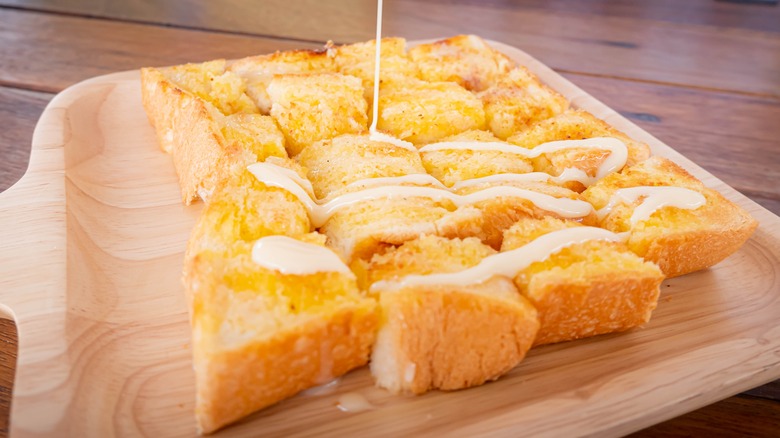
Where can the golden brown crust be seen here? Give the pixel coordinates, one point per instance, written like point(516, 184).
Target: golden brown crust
point(232, 384)
point(464, 59)
point(593, 306)
point(511, 107)
point(260, 336)
point(317, 106)
point(502, 212)
point(424, 112)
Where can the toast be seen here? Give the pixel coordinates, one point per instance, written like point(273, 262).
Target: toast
point(483, 216)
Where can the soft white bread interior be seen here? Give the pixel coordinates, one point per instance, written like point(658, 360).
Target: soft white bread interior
point(443, 336)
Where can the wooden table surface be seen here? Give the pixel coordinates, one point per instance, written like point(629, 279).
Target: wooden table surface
point(702, 75)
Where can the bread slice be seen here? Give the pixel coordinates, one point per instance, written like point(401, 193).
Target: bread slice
point(680, 241)
point(260, 336)
point(518, 101)
point(366, 228)
point(424, 112)
point(206, 145)
point(445, 337)
point(314, 107)
point(575, 125)
point(464, 59)
point(454, 165)
point(258, 71)
point(584, 289)
point(334, 164)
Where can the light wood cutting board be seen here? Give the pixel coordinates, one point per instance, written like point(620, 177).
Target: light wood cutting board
point(91, 244)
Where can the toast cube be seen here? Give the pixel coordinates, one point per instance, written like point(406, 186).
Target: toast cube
point(585, 289)
point(333, 164)
point(454, 165)
point(258, 71)
point(358, 60)
point(314, 107)
point(446, 337)
point(515, 103)
point(358, 231)
point(256, 133)
point(260, 335)
point(206, 146)
point(424, 112)
point(501, 212)
point(679, 240)
point(242, 209)
point(211, 82)
point(575, 125)
point(464, 59)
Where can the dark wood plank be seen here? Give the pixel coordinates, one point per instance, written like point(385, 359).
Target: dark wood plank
point(769, 391)
point(743, 416)
point(19, 110)
point(772, 205)
point(7, 367)
point(618, 45)
point(765, 17)
point(64, 50)
point(732, 136)
point(693, 121)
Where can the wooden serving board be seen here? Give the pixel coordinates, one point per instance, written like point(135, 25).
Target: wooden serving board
point(91, 246)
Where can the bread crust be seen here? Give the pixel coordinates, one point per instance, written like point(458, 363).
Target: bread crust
point(186, 128)
point(232, 384)
point(679, 241)
point(448, 338)
point(604, 304)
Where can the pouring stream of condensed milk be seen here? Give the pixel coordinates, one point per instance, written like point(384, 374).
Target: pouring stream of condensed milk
point(375, 135)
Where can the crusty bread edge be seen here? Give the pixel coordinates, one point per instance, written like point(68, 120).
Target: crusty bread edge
point(186, 128)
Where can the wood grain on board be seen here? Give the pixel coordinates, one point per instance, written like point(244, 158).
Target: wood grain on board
point(605, 45)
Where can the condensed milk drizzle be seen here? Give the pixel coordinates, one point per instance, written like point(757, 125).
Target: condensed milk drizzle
point(618, 154)
point(655, 198)
point(293, 257)
point(270, 174)
point(506, 264)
